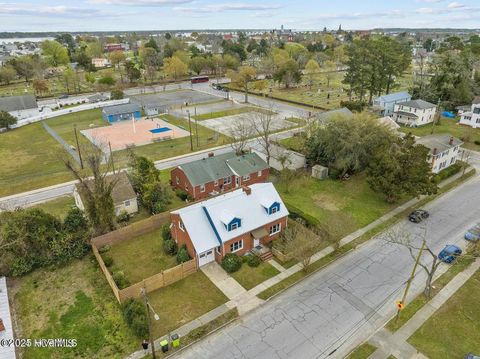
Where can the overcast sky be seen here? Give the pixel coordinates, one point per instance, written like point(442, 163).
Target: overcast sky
point(97, 15)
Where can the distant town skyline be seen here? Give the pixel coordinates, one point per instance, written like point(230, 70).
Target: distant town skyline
point(129, 15)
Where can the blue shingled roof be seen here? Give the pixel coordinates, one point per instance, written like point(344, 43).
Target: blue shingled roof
point(394, 96)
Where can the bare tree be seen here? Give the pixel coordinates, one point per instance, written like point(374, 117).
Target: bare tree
point(417, 251)
point(240, 132)
point(287, 175)
point(96, 191)
point(299, 244)
point(262, 124)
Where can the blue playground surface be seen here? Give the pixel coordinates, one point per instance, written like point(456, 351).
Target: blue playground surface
point(160, 130)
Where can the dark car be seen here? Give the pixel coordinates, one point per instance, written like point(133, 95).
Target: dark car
point(63, 96)
point(473, 234)
point(418, 215)
point(449, 253)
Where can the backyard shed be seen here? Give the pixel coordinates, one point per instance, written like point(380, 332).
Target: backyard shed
point(121, 112)
point(319, 172)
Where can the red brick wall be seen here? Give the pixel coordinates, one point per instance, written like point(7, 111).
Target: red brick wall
point(181, 236)
point(196, 194)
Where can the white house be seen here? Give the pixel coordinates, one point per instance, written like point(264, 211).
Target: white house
point(414, 113)
point(21, 107)
point(100, 62)
point(444, 150)
point(386, 103)
point(123, 195)
point(472, 117)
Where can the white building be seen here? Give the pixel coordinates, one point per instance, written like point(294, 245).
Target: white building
point(444, 150)
point(386, 103)
point(471, 118)
point(123, 195)
point(100, 62)
point(414, 113)
point(21, 107)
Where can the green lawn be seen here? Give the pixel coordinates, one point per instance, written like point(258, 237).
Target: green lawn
point(362, 352)
point(73, 301)
point(57, 207)
point(224, 113)
point(183, 301)
point(141, 257)
point(250, 277)
point(411, 308)
point(447, 125)
point(454, 329)
point(341, 207)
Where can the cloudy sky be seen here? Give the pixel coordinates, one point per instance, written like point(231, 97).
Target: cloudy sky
point(91, 15)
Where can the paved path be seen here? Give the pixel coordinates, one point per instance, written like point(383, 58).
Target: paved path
point(332, 311)
point(229, 286)
point(396, 343)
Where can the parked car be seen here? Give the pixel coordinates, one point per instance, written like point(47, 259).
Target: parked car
point(61, 97)
point(471, 356)
point(449, 253)
point(473, 234)
point(418, 215)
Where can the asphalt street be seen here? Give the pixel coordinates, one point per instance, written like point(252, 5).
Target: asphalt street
point(335, 309)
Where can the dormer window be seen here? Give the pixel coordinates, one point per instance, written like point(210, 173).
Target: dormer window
point(234, 224)
point(271, 208)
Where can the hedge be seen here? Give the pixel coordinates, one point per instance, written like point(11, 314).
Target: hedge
point(296, 212)
point(448, 172)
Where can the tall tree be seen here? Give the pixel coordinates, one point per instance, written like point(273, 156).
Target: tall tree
point(288, 73)
point(311, 68)
point(7, 74)
point(243, 78)
point(55, 53)
point(175, 68)
point(7, 120)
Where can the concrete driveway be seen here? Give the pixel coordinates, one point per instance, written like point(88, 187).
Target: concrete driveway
point(331, 312)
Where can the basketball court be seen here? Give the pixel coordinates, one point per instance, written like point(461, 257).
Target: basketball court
point(133, 133)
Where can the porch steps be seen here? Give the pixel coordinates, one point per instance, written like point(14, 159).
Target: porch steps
point(266, 256)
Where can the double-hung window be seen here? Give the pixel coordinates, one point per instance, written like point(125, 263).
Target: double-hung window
point(236, 246)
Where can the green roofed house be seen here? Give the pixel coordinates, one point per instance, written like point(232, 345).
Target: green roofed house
point(218, 173)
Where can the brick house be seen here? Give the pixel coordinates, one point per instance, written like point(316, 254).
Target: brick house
point(216, 174)
point(234, 222)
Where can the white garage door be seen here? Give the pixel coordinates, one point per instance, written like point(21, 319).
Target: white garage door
point(205, 257)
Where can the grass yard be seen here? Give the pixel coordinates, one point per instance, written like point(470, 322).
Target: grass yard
point(341, 207)
point(141, 257)
point(74, 301)
point(362, 352)
point(57, 207)
point(183, 301)
point(454, 329)
point(447, 125)
point(224, 113)
point(250, 277)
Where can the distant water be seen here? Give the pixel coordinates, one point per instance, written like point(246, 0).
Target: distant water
point(25, 39)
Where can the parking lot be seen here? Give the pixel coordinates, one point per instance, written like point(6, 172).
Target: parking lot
point(174, 98)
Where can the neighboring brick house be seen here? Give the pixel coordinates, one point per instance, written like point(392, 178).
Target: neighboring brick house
point(444, 150)
point(215, 174)
point(414, 113)
point(234, 222)
point(123, 195)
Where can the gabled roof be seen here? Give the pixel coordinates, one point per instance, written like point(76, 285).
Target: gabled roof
point(420, 104)
point(388, 122)
point(15, 103)
point(439, 142)
point(394, 96)
point(325, 117)
point(220, 166)
point(122, 191)
point(204, 221)
point(120, 109)
point(406, 114)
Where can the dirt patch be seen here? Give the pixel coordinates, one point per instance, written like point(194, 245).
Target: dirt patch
point(328, 202)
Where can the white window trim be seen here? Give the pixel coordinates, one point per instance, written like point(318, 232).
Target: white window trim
point(239, 247)
point(233, 224)
point(202, 188)
point(259, 174)
point(181, 226)
point(246, 178)
point(279, 229)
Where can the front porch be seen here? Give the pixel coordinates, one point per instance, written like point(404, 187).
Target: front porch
point(259, 248)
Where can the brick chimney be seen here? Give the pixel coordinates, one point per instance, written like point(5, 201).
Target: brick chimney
point(211, 154)
point(450, 142)
point(247, 190)
point(2, 326)
point(435, 151)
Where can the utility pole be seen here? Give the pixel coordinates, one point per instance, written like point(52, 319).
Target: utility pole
point(412, 275)
point(111, 157)
point(78, 146)
point(190, 128)
point(196, 130)
point(437, 115)
point(149, 308)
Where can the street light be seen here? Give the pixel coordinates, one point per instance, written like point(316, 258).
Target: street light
point(149, 308)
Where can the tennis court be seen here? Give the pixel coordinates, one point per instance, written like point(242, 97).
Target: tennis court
point(133, 133)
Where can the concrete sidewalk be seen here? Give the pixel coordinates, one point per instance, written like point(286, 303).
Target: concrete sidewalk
point(229, 286)
point(396, 343)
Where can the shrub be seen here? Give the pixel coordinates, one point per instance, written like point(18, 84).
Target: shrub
point(254, 261)
point(104, 249)
point(477, 142)
point(231, 262)
point(166, 234)
point(123, 217)
point(116, 94)
point(447, 172)
point(107, 260)
point(182, 255)
point(170, 247)
point(135, 315)
point(355, 106)
point(120, 280)
point(180, 193)
point(107, 80)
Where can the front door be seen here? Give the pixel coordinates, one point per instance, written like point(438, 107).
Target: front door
point(256, 242)
point(205, 257)
point(237, 181)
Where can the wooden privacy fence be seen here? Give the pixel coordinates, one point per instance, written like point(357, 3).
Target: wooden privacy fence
point(152, 283)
